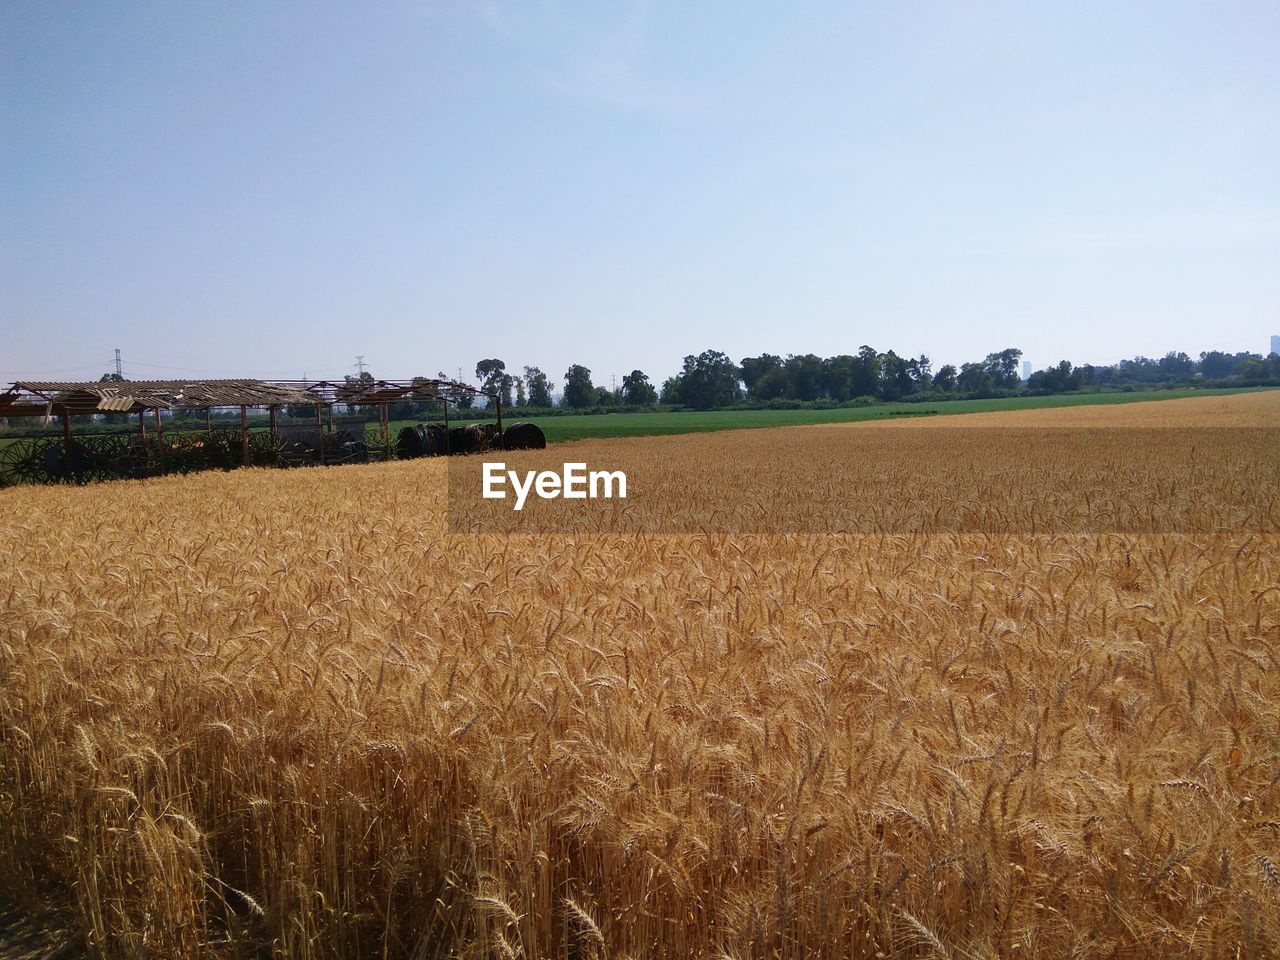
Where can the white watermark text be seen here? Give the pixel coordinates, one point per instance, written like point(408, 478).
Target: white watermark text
point(573, 482)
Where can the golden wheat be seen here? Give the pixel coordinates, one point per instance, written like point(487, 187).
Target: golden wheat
point(287, 711)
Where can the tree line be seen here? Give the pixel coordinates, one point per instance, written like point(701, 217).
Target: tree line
point(712, 380)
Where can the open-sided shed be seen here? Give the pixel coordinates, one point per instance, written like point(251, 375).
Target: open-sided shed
point(77, 458)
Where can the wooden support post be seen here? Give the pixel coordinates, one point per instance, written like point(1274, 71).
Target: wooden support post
point(273, 421)
point(446, 425)
point(66, 441)
point(160, 441)
point(142, 424)
point(208, 418)
point(244, 433)
point(320, 432)
point(497, 402)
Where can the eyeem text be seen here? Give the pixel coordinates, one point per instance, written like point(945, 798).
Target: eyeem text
point(573, 482)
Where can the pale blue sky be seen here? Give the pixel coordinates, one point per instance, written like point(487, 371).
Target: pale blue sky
point(270, 189)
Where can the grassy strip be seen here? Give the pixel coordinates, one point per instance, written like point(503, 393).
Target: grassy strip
point(562, 428)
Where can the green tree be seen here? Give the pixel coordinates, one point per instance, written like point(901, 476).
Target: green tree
point(457, 398)
point(1216, 365)
point(837, 377)
point(921, 371)
point(945, 378)
point(1254, 368)
point(1002, 367)
point(804, 376)
point(754, 369)
point(772, 385)
point(866, 373)
point(974, 378)
point(579, 392)
point(355, 386)
point(708, 380)
point(637, 391)
point(895, 377)
point(490, 373)
point(521, 399)
point(1059, 379)
point(539, 387)
point(1177, 366)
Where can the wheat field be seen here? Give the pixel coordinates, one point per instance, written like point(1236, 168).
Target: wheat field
point(290, 714)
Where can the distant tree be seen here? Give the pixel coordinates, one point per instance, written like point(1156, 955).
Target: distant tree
point(866, 373)
point(1094, 376)
point(895, 377)
point(521, 399)
point(415, 406)
point(921, 371)
point(491, 374)
point(764, 376)
point(637, 391)
point(1138, 370)
point(670, 392)
point(1177, 366)
point(1254, 368)
point(772, 385)
point(754, 369)
point(804, 376)
point(837, 377)
point(362, 382)
point(461, 400)
point(974, 378)
point(605, 397)
point(945, 378)
point(1062, 378)
point(539, 387)
point(1002, 367)
point(488, 370)
point(708, 380)
point(579, 392)
point(1216, 365)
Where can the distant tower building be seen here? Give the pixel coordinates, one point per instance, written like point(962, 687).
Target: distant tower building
point(1275, 344)
point(1026, 368)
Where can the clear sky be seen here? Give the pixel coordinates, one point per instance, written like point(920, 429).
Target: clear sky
point(270, 189)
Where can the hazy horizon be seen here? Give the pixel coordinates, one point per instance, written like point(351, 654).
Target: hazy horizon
point(275, 191)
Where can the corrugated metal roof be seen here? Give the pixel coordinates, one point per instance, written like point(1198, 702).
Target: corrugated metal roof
point(134, 395)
